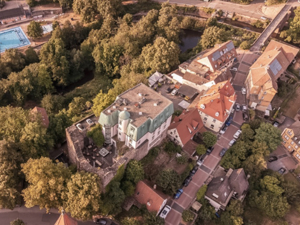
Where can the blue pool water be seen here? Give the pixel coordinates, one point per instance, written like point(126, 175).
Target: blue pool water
point(13, 38)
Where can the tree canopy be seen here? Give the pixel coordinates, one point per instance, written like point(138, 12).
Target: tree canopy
point(35, 29)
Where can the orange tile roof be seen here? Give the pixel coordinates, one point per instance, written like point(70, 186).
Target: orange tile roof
point(144, 194)
point(217, 100)
point(276, 53)
point(187, 124)
point(64, 219)
point(43, 113)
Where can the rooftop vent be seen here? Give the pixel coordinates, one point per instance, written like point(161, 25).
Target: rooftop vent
point(202, 106)
point(217, 114)
point(215, 195)
point(109, 111)
point(125, 102)
point(125, 109)
point(148, 204)
point(155, 104)
point(140, 94)
point(221, 179)
point(140, 113)
point(114, 107)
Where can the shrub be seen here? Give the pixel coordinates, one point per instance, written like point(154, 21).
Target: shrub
point(201, 192)
point(209, 139)
point(245, 45)
point(181, 159)
point(17, 222)
point(258, 24)
point(208, 10)
point(171, 148)
point(187, 216)
point(200, 149)
point(96, 134)
point(188, 23)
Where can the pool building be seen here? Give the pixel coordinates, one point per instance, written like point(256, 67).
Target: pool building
point(13, 38)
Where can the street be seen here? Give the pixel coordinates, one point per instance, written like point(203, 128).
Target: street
point(211, 161)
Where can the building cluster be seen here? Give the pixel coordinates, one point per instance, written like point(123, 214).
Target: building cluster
point(141, 118)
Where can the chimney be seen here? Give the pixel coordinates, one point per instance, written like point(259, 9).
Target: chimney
point(140, 113)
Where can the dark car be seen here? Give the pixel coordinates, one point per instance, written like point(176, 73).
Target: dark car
point(245, 116)
point(194, 170)
point(187, 181)
point(178, 193)
point(228, 122)
point(281, 170)
point(223, 151)
point(209, 150)
point(101, 221)
point(169, 90)
point(272, 158)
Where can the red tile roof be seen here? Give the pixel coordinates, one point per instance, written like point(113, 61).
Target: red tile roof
point(153, 199)
point(217, 100)
point(64, 219)
point(187, 124)
point(43, 113)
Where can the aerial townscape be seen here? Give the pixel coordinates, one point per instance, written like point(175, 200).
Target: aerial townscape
point(150, 112)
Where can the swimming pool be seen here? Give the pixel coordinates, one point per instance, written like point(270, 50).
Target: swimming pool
point(13, 38)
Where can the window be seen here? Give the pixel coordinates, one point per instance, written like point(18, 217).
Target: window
point(171, 132)
point(205, 118)
point(289, 147)
point(119, 133)
point(212, 126)
point(296, 146)
point(214, 120)
point(292, 143)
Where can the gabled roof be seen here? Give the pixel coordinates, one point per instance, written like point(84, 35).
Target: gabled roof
point(64, 219)
point(296, 129)
point(154, 78)
point(144, 194)
point(187, 124)
point(43, 113)
point(217, 100)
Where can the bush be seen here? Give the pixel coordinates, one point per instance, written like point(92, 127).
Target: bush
point(209, 139)
point(34, 30)
point(274, 2)
point(187, 23)
point(17, 222)
point(150, 157)
point(201, 149)
point(208, 10)
point(171, 148)
point(201, 192)
point(181, 159)
point(258, 24)
point(187, 216)
point(245, 45)
point(96, 134)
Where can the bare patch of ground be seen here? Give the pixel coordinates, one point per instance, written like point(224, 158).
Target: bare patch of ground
point(272, 11)
point(293, 105)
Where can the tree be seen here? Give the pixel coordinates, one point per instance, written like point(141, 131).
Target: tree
point(128, 187)
point(113, 199)
point(181, 159)
point(87, 9)
point(34, 29)
point(171, 148)
point(31, 56)
point(187, 216)
point(209, 139)
point(245, 45)
point(151, 219)
point(130, 221)
point(269, 134)
point(211, 36)
point(161, 56)
point(291, 192)
point(17, 222)
point(96, 134)
point(58, 124)
point(109, 7)
point(11, 61)
point(47, 183)
point(83, 187)
point(169, 180)
point(201, 150)
point(76, 107)
point(201, 192)
point(52, 103)
point(134, 171)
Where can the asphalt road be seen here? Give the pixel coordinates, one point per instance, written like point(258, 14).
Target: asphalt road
point(252, 10)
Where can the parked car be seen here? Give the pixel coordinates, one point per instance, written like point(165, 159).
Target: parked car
point(232, 142)
point(101, 221)
point(80, 127)
point(275, 124)
point(174, 92)
point(223, 151)
point(200, 162)
point(194, 170)
point(245, 116)
point(244, 91)
point(209, 150)
point(237, 107)
point(234, 69)
point(237, 134)
point(90, 122)
point(272, 158)
point(244, 108)
point(187, 181)
point(169, 90)
point(178, 193)
point(165, 211)
point(229, 120)
point(281, 170)
point(222, 131)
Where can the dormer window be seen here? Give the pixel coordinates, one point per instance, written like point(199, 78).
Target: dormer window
point(189, 130)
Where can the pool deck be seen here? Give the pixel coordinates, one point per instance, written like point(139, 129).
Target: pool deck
point(13, 38)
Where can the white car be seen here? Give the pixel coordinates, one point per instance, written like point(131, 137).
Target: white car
point(244, 108)
point(232, 142)
point(90, 122)
point(233, 69)
point(80, 127)
point(165, 212)
point(244, 91)
point(174, 92)
point(223, 130)
point(237, 134)
point(237, 107)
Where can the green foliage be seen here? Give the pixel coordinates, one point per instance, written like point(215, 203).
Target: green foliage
point(211, 36)
point(96, 134)
point(233, 213)
point(245, 45)
point(187, 216)
point(134, 171)
point(128, 188)
point(34, 29)
point(206, 214)
point(150, 157)
point(274, 2)
point(208, 10)
point(212, 21)
point(292, 34)
point(168, 180)
point(47, 183)
point(17, 222)
point(209, 139)
point(181, 160)
point(31, 56)
point(201, 192)
point(283, 88)
point(258, 24)
point(52, 103)
point(171, 148)
point(291, 192)
point(151, 219)
point(12, 60)
point(269, 134)
point(201, 150)
point(58, 124)
point(130, 221)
